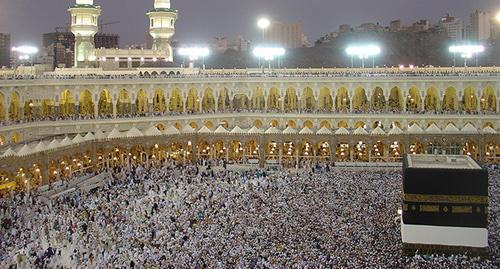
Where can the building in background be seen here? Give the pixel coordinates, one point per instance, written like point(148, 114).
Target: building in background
point(344, 28)
point(395, 26)
point(480, 27)
point(421, 26)
point(286, 34)
point(107, 41)
point(219, 44)
point(58, 47)
point(4, 50)
point(453, 27)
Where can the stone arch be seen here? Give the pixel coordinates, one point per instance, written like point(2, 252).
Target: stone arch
point(308, 124)
point(431, 100)
point(194, 125)
point(66, 103)
point(209, 124)
point(2, 108)
point(413, 100)
point(159, 101)
point(489, 100)
point(342, 124)
point(192, 101)
point(325, 101)
point(240, 102)
point(258, 100)
point(208, 101)
point(291, 100)
point(86, 104)
point(396, 100)
point(258, 124)
point(449, 102)
point(342, 100)
point(141, 102)
point(28, 109)
point(325, 124)
point(291, 124)
point(360, 101)
point(176, 103)
point(47, 108)
point(469, 100)
point(273, 100)
point(223, 102)
point(359, 124)
point(377, 100)
point(105, 105)
point(160, 127)
point(274, 123)
point(376, 124)
point(308, 100)
point(15, 138)
point(123, 106)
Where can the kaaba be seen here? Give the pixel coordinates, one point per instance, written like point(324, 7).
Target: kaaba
point(445, 205)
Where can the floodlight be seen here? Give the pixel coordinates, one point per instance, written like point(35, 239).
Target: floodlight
point(363, 52)
point(268, 54)
point(466, 49)
point(497, 17)
point(466, 52)
point(263, 23)
point(26, 49)
point(194, 53)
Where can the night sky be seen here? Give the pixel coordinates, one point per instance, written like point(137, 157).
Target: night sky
point(199, 20)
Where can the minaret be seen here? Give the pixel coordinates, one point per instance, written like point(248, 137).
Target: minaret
point(84, 25)
point(162, 27)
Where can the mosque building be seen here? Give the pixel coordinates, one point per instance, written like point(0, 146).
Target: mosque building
point(121, 106)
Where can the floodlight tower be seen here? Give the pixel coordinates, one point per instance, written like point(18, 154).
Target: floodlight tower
point(84, 25)
point(162, 27)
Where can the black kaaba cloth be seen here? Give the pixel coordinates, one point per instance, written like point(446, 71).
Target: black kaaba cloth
point(445, 196)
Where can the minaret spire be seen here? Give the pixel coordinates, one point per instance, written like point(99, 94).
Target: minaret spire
point(162, 26)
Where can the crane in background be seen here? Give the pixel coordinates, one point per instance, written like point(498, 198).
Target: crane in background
point(101, 25)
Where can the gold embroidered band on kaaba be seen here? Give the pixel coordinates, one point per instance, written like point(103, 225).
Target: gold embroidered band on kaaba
point(451, 199)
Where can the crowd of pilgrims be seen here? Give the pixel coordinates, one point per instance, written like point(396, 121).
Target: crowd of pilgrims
point(172, 216)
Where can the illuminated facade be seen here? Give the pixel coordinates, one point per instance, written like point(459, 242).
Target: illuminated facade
point(294, 120)
point(84, 25)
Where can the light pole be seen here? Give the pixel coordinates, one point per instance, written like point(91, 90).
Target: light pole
point(363, 53)
point(467, 52)
point(194, 54)
point(268, 54)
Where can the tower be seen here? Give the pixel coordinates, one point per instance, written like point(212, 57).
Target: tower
point(84, 25)
point(162, 27)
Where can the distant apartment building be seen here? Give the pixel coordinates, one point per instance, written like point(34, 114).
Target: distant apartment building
point(61, 45)
point(421, 26)
point(344, 28)
point(108, 41)
point(480, 27)
point(286, 34)
point(221, 44)
point(453, 27)
point(395, 26)
point(4, 50)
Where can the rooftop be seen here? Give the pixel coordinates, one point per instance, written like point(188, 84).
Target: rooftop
point(442, 162)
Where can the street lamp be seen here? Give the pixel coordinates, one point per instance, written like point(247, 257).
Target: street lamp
point(263, 24)
point(497, 17)
point(194, 54)
point(268, 53)
point(466, 52)
point(363, 52)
